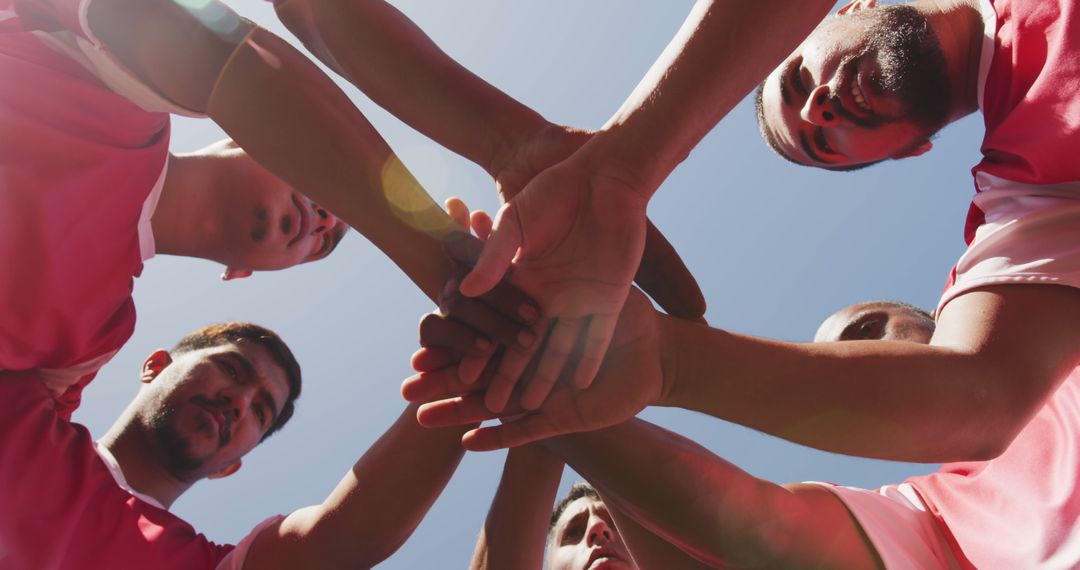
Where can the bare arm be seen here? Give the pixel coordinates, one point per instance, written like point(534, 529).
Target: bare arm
point(997, 355)
point(373, 510)
point(721, 52)
point(709, 508)
point(370, 42)
point(513, 534)
point(287, 115)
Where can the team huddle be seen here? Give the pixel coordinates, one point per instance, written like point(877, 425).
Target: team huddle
point(544, 341)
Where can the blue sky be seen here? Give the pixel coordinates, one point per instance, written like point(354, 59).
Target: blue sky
point(775, 248)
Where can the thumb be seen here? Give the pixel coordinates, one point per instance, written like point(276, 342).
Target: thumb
point(497, 254)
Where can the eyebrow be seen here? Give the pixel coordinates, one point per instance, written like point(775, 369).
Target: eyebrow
point(264, 394)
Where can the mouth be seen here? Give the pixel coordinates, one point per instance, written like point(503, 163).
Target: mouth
point(601, 557)
point(303, 221)
point(220, 423)
point(854, 92)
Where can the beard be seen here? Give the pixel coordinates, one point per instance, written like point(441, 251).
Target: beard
point(173, 448)
point(913, 69)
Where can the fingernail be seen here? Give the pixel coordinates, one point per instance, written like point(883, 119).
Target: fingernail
point(529, 313)
point(526, 338)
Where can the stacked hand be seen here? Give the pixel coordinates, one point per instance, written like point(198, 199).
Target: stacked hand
point(630, 377)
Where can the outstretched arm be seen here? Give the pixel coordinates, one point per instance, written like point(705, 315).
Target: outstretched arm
point(370, 43)
point(996, 356)
point(373, 510)
point(286, 114)
point(513, 534)
point(580, 226)
point(707, 507)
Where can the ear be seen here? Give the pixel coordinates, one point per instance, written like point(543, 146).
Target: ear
point(154, 364)
point(231, 274)
point(226, 471)
point(919, 150)
point(856, 5)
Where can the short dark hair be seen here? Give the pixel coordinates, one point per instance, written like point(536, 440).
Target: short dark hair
point(577, 491)
point(770, 139)
point(233, 332)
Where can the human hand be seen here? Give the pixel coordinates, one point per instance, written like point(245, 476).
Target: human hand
point(580, 236)
point(662, 273)
point(632, 376)
point(501, 316)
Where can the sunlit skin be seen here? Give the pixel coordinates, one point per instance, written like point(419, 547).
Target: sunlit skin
point(216, 402)
point(585, 538)
point(826, 109)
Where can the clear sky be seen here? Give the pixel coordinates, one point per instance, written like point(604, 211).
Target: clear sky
point(775, 248)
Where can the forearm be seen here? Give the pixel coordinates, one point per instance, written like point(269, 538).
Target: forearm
point(318, 142)
point(650, 552)
point(287, 115)
point(391, 60)
point(517, 524)
point(721, 52)
point(996, 356)
point(375, 507)
point(682, 493)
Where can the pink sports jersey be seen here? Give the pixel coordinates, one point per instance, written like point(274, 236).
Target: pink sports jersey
point(78, 163)
point(60, 507)
point(1028, 99)
point(1021, 509)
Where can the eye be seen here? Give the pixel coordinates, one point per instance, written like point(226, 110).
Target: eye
point(230, 370)
point(797, 79)
point(574, 532)
point(872, 329)
point(260, 413)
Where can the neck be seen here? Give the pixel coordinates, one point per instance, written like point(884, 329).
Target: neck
point(959, 28)
point(180, 223)
point(128, 442)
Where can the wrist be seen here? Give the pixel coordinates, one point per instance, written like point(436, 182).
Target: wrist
point(512, 137)
point(668, 333)
point(611, 153)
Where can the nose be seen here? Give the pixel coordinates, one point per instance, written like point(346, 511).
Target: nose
point(324, 220)
point(599, 533)
point(237, 401)
point(820, 109)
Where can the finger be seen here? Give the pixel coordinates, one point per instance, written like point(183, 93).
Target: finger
point(510, 370)
point(454, 411)
point(446, 332)
point(556, 351)
point(519, 432)
point(434, 385)
point(512, 302)
point(481, 224)
point(471, 367)
point(498, 252)
point(430, 358)
point(663, 275)
point(597, 340)
point(458, 211)
point(504, 324)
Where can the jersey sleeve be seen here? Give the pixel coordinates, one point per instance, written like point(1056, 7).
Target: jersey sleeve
point(1028, 234)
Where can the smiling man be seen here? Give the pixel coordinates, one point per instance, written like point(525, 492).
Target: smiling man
point(200, 408)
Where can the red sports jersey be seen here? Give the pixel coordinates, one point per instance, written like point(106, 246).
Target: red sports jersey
point(60, 506)
point(80, 168)
point(1021, 509)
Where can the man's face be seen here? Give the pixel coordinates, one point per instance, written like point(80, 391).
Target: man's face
point(211, 406)
point(584, 538)
point(876, 321)
point(866, 85)
point(268, 225)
